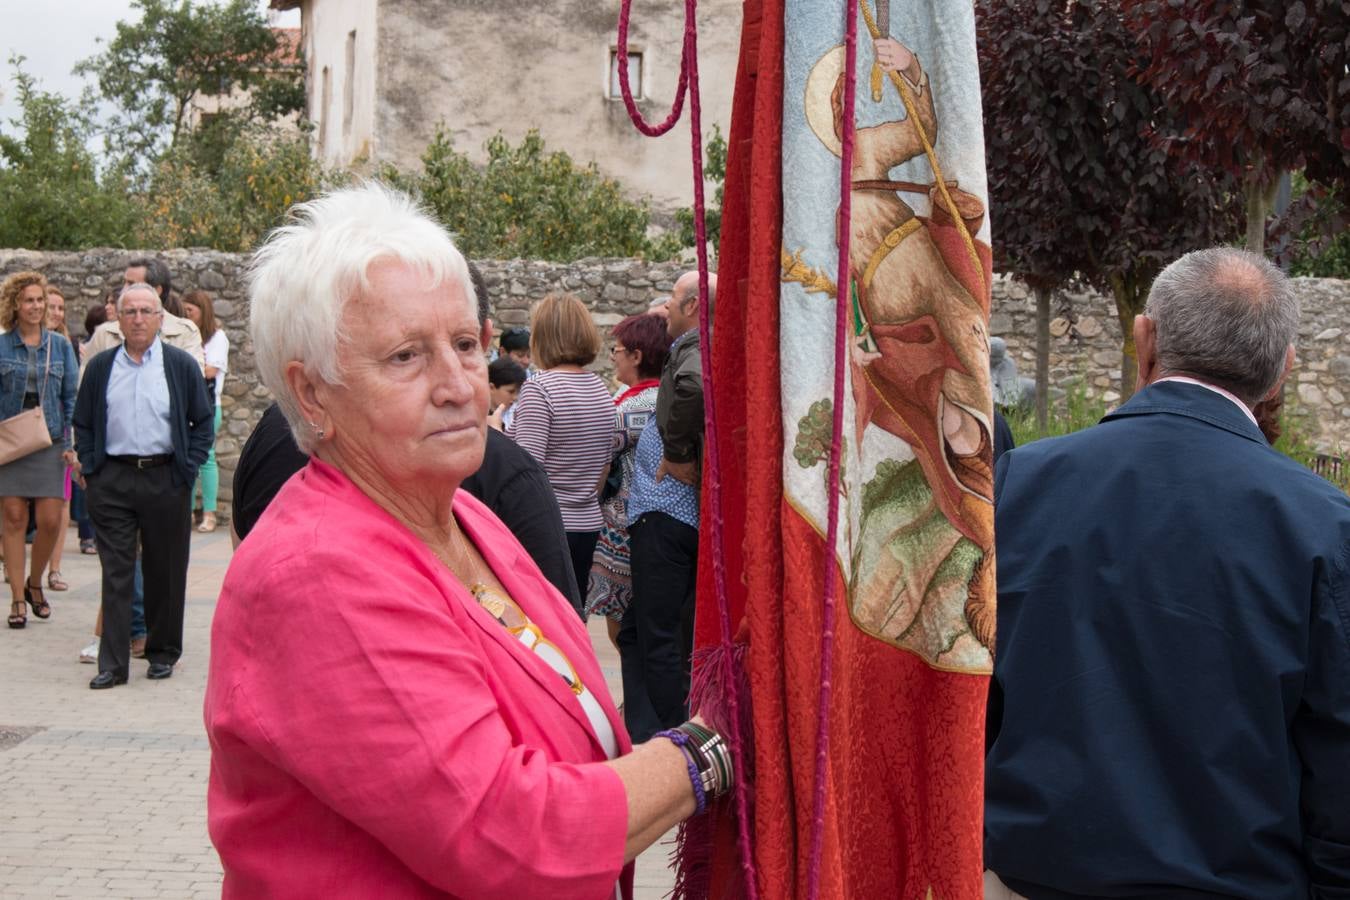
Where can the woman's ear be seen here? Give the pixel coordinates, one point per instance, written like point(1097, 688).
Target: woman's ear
point(308, 393)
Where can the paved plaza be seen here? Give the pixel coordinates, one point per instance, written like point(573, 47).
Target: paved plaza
point(103, 793)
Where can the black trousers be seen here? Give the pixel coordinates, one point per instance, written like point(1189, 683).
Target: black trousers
point(131, 506)
point(656, 636)
point(581, 547)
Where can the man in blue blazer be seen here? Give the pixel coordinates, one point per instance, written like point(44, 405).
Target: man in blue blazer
point(143, 425)
point(1174, 627)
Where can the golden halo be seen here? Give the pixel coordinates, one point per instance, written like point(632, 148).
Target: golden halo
point(819, 88)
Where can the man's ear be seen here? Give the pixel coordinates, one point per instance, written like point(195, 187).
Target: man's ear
point(308, 393)
point(1145, 351)
point(485, 339)
point(1289, 358)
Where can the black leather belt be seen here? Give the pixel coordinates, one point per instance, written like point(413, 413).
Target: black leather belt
point(144, 462)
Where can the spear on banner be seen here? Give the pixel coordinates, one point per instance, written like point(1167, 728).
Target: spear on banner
point(884, 28)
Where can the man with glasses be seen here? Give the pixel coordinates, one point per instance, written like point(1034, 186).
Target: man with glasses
point(174, 329)
point(143, 425)
point(656, 636)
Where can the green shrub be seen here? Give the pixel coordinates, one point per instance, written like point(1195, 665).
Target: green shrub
point(257, 178)
point(1076, 410)
point(714, 170)
point(528, 202)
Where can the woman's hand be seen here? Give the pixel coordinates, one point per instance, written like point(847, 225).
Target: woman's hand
point(70, 458)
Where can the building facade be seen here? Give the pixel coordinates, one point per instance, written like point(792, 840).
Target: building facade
point(383, 74)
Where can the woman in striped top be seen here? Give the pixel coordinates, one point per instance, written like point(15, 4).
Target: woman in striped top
point(564, 417)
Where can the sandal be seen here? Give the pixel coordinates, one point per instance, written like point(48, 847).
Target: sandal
point(56, 582)
point(41, 608)
point(87, 547)
point(19, 619)
point(208, 523)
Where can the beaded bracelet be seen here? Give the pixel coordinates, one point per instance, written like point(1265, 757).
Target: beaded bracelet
point(681, 740)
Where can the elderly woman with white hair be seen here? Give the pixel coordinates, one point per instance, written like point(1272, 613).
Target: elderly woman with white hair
point(399, 703)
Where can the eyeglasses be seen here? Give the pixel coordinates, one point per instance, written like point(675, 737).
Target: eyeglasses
point(617, 349)
point(138, 313)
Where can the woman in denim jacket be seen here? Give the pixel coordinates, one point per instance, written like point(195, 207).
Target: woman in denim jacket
point(37, 367)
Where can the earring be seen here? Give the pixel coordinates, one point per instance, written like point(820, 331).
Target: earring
point(318, 432)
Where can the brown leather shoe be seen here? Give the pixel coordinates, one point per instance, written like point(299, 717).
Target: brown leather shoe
point(138, 648)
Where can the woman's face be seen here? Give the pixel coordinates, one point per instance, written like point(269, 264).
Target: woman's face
point(110, 311)
point(411, 412)
point(56, 311)
point(33, 305)
point(625, 365)
point(194, 312)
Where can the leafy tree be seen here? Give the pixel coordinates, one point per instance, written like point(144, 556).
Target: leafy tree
point(154, 68)
point(232, 206)
point(1075, 182)
point(50, 189)
point(1260, 88)
point(1020, 88)
point(526, 202)
point(1313, 237)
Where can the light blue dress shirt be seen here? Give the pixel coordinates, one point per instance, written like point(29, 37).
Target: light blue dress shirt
point(138, 404)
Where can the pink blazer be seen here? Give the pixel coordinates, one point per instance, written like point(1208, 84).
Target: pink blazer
point(375, 733)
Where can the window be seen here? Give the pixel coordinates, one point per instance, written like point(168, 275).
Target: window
point(324, 113)
point(634, 75)
point(348, 88)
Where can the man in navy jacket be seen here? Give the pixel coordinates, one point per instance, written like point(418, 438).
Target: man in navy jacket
point(143, 425)
point(1174, 627)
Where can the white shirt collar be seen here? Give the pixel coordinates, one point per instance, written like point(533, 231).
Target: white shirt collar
point(1186, 379)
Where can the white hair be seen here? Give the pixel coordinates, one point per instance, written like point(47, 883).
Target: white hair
point(307, 271)
point(140, 286)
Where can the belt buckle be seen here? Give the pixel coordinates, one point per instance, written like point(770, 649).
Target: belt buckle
point(142, 462)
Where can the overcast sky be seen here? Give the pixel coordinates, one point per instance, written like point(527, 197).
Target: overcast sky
point(56, 34)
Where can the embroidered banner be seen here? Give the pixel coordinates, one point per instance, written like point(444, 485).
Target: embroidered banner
point(914, 626)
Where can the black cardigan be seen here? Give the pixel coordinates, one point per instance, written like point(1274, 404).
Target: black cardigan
point(192, 418)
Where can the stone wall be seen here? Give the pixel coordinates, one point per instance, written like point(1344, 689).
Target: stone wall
point(612, 288)
point(1086, 342)
point(1086, 346)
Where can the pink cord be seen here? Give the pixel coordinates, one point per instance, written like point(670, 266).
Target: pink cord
point(689, 82)
point(842, 297)
point(686, 59)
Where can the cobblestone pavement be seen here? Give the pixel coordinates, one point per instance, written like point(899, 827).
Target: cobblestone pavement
point(103, 793)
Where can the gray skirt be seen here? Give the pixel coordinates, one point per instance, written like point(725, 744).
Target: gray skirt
point(40, 474)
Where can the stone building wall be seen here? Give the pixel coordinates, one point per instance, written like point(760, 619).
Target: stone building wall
point(1086, 345)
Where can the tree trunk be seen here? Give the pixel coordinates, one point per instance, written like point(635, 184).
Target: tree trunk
point(1129, 303)
point(1260, 198)
point(1042, 360)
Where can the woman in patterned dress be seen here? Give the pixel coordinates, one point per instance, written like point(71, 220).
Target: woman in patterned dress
point(640, 349)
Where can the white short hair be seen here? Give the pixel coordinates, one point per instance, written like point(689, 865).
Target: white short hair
point(306, 271)
point(139, 287)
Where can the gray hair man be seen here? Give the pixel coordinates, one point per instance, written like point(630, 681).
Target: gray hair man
point(143, 426)
point(173, 328)
point(656, 636)
point(1170, 711)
